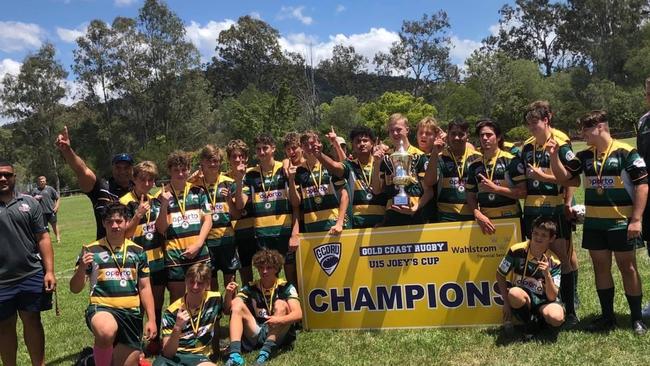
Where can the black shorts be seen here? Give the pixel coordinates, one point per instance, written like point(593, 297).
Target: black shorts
point(563, 225)
point(158, 278)
point(49, 218)
point(246, 248)
point(177, 273)
point(223, 258)
point(613, 240)
point(27, 295)
point(129, 324)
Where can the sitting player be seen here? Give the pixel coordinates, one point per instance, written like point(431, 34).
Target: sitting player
point(119, 285)
point(533, 297)
point(264, 311)
point(190, 326)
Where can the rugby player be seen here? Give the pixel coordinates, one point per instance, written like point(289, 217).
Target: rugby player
point(383, 171)
point(496, 182)
point(119, 285)
point(275, 220)
point(191, 324)
point(448, 169)
point(428, 132)
point(616, 190)
point(185, 219)
point(546, 196)
point(532, 295)
point(264, 312)
point(218, 188)
point(143, 209)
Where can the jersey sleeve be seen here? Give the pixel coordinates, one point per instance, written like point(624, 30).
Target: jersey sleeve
point(338, 183)
point(516, 170)
point(569, 160)
point(507, 264)
point(244, 293)
point(473, 170)
point(167, 323)
point(290, 292)
point(556, 273)
point(55, 194)
point(636, 168)
point(143, 265)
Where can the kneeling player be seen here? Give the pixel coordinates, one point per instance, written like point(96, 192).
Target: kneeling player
point(264, 312)
point(535, 280)
point(119, 284)
point(190, 325)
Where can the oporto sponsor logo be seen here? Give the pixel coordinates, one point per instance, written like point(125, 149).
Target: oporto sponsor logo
point(328, 256)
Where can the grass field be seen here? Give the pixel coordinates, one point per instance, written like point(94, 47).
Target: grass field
point(67, 334)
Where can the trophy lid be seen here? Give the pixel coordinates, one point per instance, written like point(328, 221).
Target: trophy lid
point(401, 153)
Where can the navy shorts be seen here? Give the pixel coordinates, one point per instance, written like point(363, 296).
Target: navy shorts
point(27, 295)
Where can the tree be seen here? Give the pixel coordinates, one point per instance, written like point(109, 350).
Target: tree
point(32, 98)
point(341, 69)
point(375, 113)
point(342, 113)
point(422, 51)
point(94, 63)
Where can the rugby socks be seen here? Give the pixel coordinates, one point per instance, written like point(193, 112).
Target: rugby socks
point(235, 347)
point(567, 290)
point(634, 301)
point(103, 356)
point(268, 346)
point(606, 298)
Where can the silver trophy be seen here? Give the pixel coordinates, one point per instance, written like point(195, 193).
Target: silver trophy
point(402, 174)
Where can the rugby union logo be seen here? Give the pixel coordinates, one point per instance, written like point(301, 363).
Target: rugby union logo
point(328, 256)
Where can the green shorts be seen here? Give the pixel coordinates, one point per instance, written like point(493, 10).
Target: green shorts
point(536, 302)
point(613, 240)
point(129, 324)
point(279, 243)
point(181, 359)
point(223, 257)
point(256, 340)
point(563, 225)
point(246, 248)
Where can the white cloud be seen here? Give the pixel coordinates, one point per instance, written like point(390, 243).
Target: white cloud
point(340, 8)
point(124, 3)
point(71, 35)
point(9, 66)
point(290, 12)
point(366, 44)
point(462, 49)
point(19, 36)
point(204, 37)
point(256, 15)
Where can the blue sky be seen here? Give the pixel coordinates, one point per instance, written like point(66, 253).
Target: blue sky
point(370, 26)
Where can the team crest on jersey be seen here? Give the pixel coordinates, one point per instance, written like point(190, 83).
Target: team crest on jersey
point(23, 207)
point(569, 155)
point(639, 163)
point(104, 256)
point(328, 256)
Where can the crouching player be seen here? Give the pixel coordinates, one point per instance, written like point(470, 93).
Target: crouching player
point(190, 326)
point(533, 297)
point(264, 311)
point(119, 284)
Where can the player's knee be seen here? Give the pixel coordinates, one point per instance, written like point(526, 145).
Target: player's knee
point(237, 306)
point(30, 318)
point(627, 268)
point(517, 297)
point(104, 327)
point(553, 315)
point(280, 307)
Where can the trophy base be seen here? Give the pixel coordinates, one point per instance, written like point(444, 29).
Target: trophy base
point(401, 200)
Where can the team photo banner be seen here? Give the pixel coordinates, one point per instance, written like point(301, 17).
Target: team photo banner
point(435, 275)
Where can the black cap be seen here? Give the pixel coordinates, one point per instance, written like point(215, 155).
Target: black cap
point(122, 157)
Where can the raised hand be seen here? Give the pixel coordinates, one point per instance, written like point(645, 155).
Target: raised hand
point(331, 136)
point(231, 288)
point(487, 185)
point(165, 195)
point(143, 207)
point(552, 147)
point(182, 317)
point(63, 140)
point(378, 150)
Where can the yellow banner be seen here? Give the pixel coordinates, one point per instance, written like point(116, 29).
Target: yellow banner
point(435, 275)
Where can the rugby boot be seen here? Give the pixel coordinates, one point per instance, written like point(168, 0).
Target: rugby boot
point(235, 359)
point(639, 327)
point(601, 325)
point(262, 358)
point(571, 321)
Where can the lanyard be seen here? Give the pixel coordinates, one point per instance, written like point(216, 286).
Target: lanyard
point(366, 178)
point(493, 162)
point(263, 176)
point(460, 168)
point(181, 203)
point(521, 278)
point(536, 164)
point(599, 172)
point(272, 292)
point(213, 195)
point(117, 264)
point(320, 175)
point(195, 326)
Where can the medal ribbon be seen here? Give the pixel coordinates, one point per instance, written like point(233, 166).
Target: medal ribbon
point(181, 203)
point(366, 178)
point(536, 164)
point(213, 195)
point(272, 292)
point(460, 168)
point(521, 278)
point(196, 327)
point(313, 178)
point(263, 176)
point(493, 163)
point(117, 264)
point(599, 172)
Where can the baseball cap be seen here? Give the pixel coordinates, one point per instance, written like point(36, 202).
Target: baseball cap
point(122, 157)
point(340, 140)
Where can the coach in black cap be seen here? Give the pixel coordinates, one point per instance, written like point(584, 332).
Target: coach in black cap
point(99, 190)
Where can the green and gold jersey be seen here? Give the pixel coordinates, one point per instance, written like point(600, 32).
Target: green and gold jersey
point(260, 302)
point(114, 274)
point(525, 269)
point(320, 195)
point(271, 208)
point(186, 209)
point(244, 227)
point(222, 228)
point(414, 190)
point(452, 182)
point(145, 234)
point(505, 169)
point(609, 186)
point(196, 335)
point(366, 209)
point(546, 199)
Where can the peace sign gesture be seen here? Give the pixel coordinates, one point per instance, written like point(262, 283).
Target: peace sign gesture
point(143, 207)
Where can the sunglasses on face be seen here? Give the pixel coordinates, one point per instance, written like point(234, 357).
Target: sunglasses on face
point(7, 175)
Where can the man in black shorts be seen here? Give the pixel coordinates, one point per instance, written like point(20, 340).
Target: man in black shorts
point(27, 272)
point(48, 197)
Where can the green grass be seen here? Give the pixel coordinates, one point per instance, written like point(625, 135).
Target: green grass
point(67, 335)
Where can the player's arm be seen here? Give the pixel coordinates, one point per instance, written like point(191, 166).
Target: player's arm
point(505, 267)
point(84, 263)
point(343, 208)
point(294, 239)
point(163, 219)
point(334, 167)
point(146, 299)
point(294, 315)
point(231, 292)
point(241, 198)
point(171, 339)
point(85, 176)
point(47, 258)
point(551, 279)
point(561, 172)
point(136, 216)
point(377, 183)
point(292, 186)
point(340, 154)
point(57, 201)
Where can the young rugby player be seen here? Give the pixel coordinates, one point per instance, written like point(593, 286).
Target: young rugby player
point(185, 219)
point(119, 285)
point(496, 182)
point(141, 229)
point(546, 196)
point(218, 188)
point(191, 324)
point(533, 294)
point(616, 191)
point(428, 132)
point(264, 312)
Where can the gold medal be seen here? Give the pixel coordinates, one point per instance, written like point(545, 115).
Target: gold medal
point(123, 283)
point(600, 191)
point(215, 217)
point(461, 188)
point(318, 200)
point(148, 236)
point(369, 196)
point(185, 224)
point(492, 196)
point(267, 205)
point(535, 183)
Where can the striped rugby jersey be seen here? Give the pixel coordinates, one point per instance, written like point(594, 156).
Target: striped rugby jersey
point(145, 234)
point(366, 209)
point(183, 232)
point(243, 226)
point(271, 208)
point(189, 342)
point(320, 197)
point(220, 211)
point(546, 199)
point(623, 170)
point(114, 278)
point(259, 302)
point(508, 172)
point(452, 202)
point(530, 277)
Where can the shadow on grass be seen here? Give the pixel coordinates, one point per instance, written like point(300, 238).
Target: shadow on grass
point(65, 360)
point(546, 335)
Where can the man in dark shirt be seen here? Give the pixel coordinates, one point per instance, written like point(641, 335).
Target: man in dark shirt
point(48, 197)
point(99, 190)
point(26, 272)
